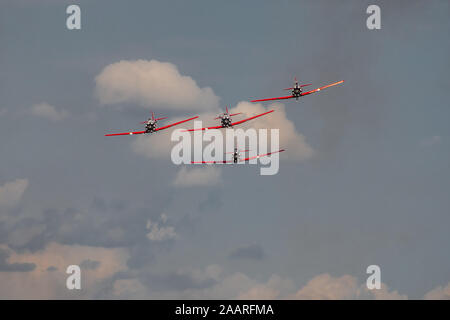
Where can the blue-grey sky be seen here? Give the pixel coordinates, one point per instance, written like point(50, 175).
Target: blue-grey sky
point(374, 191)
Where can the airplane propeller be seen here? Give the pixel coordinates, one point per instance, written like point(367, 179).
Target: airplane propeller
point(153, 118)
point(297, 86)
point(226, 112)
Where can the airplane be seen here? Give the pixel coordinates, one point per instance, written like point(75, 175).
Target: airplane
point(150, 126)
point(237, 157)
point(297, 91)
point(225, 120)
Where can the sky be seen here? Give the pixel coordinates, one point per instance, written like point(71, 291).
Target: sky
point(364, 179)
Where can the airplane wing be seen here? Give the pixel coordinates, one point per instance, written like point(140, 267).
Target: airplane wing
point(321, 88)
point(302, 94)
point(248, 119)
point(260, 155)
point(176, 123)
point(124, 133)
point(216, 127)
point(269, 99)
point(223, 161)
point(157, 129)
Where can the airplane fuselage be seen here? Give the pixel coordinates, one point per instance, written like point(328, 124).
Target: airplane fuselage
point(225, 121)
point(150, 126)
point(296, 92)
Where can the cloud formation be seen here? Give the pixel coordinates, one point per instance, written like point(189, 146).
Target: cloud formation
point(212, 283)
point(11, 192)
point(327, 287)
point(13, 267)
point(439, 293)
point(48, 111)
point(158, 231)
point(89, 264)
point(152, 84)
point(272, 289)
point(46, 276)
point(154, 146)
point(22, 231)
point(200, 176)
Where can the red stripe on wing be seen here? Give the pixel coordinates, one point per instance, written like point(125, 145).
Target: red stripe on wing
point(257, 116)
point(321, 88)
point(261, 155)
point(207, 162)
point(176, 123)
point(209, 128)
point(270, 99)
point(124, 133)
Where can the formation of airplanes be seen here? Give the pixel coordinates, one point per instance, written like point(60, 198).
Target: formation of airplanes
point(227, 122)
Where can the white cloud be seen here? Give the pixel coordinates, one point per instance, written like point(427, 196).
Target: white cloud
point(223, 286)
point(260, 292)
point(129, 289)
point(270, 290)
point(159, 232)
point(327, 287)
point(203, 176)
point(439, 293)
point(11, 192)
point(240, 286)
point(294, 142)
point(42, 284)
point(152, 84)
point(384, 293)
point(153, 146)
point(47, 111)
point(321, 287)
